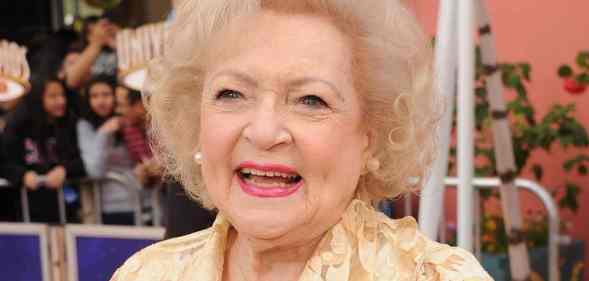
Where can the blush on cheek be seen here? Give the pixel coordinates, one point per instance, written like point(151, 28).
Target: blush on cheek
point(336, 152)
point(218, 139)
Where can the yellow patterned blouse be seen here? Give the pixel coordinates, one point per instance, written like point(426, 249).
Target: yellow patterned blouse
point(365, 245)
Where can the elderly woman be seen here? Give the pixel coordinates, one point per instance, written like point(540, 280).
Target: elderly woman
point(291, 117)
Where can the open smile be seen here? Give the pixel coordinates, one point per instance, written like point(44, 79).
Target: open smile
point(268, 180)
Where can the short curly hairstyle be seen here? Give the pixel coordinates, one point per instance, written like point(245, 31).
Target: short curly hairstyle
point(393, 73)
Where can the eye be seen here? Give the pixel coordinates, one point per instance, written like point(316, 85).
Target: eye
point(313, 101)
point(228, 94)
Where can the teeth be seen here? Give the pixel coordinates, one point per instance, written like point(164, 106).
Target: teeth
point(267, 174)
point(271, 185)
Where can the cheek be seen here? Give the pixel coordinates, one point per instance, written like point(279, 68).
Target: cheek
point(219, 135)
point(50, 104)
point(332, 155)
point(107, 103)
point(46, 105)
point(111, 103)
point(94, 104)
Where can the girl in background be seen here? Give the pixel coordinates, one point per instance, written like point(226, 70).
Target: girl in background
point(41, 150)
point(103, 150)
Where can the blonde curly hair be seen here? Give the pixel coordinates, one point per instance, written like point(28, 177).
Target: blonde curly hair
point(392, 72)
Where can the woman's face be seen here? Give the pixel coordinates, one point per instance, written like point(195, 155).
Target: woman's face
point(54, 101)
point(281, 129)
point(102, 100)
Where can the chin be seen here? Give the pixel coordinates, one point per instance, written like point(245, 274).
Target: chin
point(267, 227)
point(267, 218)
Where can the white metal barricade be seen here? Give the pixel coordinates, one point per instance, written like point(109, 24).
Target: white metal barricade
point(133, 187)
point(548, 202)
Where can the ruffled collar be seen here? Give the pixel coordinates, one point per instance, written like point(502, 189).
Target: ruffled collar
point(350, 250)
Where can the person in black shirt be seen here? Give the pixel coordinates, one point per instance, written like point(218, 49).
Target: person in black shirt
point(98, 55)
point(40, 147)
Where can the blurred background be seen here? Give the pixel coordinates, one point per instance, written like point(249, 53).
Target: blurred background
point(543, 51)
point(23, 20)
point(544, 36)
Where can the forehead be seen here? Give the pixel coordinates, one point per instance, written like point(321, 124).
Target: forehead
point(283, 45)
point(53, 88)
point(121, 92)
point(100, 86)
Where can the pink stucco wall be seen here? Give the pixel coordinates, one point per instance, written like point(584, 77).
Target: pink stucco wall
point(545, 34)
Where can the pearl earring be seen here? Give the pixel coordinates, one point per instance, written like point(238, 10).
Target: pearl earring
point(198, 157)
point(373, 165)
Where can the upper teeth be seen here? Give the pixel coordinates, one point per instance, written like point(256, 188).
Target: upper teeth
point(267, 173)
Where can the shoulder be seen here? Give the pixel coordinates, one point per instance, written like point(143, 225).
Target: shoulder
point(18, 122)
point(167, 259)
point(443, 262)
point(432, 261)
point(85, 131)
point(83, 124)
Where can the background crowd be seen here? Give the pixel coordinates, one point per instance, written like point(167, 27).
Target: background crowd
point(78, 124)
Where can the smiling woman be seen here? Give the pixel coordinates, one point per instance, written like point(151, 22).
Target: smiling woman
point(292, 118)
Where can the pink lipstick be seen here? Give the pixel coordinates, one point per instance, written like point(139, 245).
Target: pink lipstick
point(268, 180)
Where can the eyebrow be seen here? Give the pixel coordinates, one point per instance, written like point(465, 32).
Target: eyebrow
point(239, 75)
point(307, 80)
point(292, 84)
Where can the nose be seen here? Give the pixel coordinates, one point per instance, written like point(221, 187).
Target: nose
point(266, 128)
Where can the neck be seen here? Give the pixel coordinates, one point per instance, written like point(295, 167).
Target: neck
point(51, 119)
point(255, 260)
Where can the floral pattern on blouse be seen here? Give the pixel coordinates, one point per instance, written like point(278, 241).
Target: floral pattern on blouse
point(364, 246)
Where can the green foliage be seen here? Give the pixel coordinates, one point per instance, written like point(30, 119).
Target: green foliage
point(583, 59)
point(565, 71)
point(538, 171)
point(559, 124)
point(582, 63)
point(583, 78)
point(569, 200)
point(536, 230)
point(530, 133)
point(525, 70)
point(578, 161)
point(494, 237)
point(582, 170)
